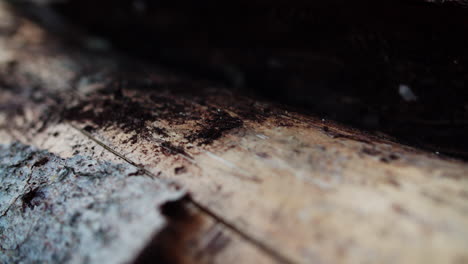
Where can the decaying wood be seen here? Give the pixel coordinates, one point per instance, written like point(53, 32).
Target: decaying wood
point(185, 229)
point(188, 235)
point(271, 185)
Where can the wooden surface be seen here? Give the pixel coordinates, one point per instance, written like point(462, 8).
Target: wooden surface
point(280, 186)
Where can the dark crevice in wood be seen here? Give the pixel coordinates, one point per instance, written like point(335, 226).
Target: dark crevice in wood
point(175, 243)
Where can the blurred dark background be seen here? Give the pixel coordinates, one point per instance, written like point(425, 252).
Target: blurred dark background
point(397, 67)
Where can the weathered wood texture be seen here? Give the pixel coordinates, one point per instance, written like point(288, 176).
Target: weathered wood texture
point(282, 186)
point(187, 235)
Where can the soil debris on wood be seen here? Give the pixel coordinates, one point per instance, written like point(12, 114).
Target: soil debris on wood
point(214, 127)
point(141, 113)
point(180, 170)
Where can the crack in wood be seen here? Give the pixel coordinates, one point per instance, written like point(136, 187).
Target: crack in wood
point(274, 253)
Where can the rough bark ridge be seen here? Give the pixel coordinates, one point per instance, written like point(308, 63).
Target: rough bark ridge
point(75, 210)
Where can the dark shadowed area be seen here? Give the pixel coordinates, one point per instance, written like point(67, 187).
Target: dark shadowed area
point(397, 67)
